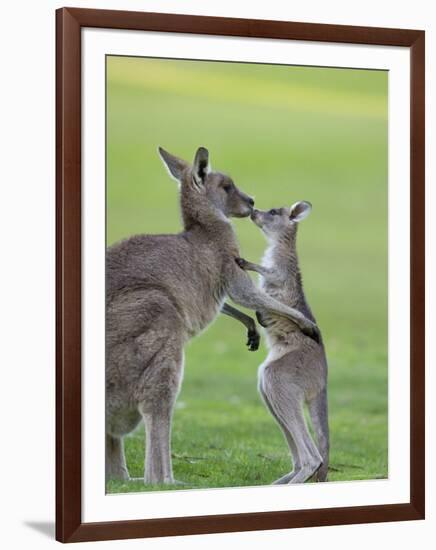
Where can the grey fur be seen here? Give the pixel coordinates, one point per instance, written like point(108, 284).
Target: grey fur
point(253, 336)
point(295, 370)
point(162, 290)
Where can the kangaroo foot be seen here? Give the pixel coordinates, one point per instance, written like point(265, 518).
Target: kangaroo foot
point(118, 474)
point(305, 473)
point(178, 482)
point(284, 480)
point(159, 482)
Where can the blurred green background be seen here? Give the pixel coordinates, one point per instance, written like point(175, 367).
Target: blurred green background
point(284, 134)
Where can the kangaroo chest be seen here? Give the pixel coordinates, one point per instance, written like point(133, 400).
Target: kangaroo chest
point(206, 294)
point(281, 333)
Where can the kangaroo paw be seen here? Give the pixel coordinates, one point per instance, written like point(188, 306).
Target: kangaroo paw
point(241, 262)
point(312, 331)
point(253, 340)
point(261, 320)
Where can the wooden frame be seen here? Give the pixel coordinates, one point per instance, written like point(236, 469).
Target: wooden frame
point(69, 526)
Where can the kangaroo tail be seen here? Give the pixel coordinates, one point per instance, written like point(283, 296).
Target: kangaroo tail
point(318, 409)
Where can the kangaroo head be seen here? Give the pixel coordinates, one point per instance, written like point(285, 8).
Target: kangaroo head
point(278, 222)
point(200, 185)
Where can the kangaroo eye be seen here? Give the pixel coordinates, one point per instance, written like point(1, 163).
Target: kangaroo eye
point(227, 187)
point(273, 212)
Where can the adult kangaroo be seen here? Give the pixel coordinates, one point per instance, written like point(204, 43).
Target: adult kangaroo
point(161, 291)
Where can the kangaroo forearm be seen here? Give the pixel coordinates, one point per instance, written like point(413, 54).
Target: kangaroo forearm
point(258, 300)
point(264, 271)
point(291, 313)
point(267, 273)
point(252, 333)
point(275, 307)
point(231, 311)
point(243, 292)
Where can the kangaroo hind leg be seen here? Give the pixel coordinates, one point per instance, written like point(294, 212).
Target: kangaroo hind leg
point(116, 467)
point(157, 410)
point(287, 400)
point(291, 444)
point(310, 457)
point(158, 467)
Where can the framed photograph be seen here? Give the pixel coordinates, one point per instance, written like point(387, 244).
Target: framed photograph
point(240, 274)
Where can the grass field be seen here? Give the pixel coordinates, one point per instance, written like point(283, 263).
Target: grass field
point(284, 134)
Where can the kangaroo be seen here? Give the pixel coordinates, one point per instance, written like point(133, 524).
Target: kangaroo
point(161, 291)
point(295, 370)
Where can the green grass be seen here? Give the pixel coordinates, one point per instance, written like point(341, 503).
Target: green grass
point(284, 134)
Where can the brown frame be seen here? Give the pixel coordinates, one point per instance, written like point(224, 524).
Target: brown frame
point(69, 22)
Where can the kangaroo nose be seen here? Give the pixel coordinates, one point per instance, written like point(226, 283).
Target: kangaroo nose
point(251, 201)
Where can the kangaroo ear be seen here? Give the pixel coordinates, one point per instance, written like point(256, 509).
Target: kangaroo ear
point(174, 165)
point(201, 166)
point(299, 211)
